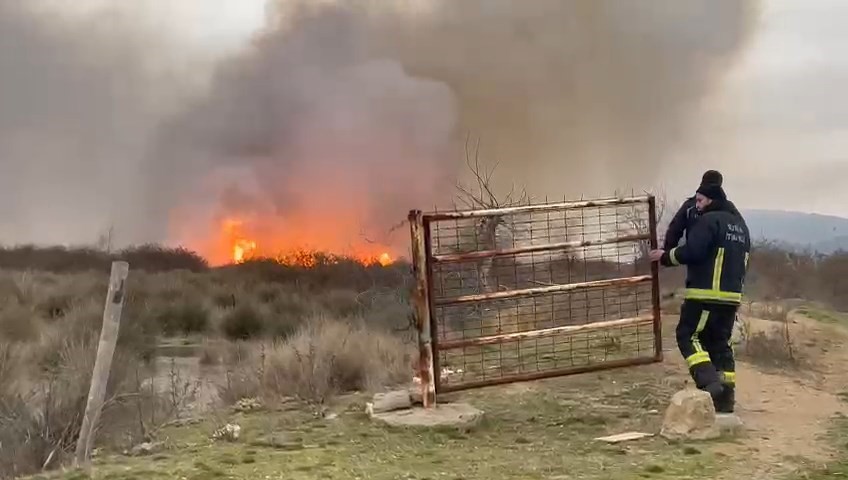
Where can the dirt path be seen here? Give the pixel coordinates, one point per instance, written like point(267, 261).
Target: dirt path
point(787, 415)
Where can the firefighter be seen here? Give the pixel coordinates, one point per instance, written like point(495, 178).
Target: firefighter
point(687, 213)
point(716, 257)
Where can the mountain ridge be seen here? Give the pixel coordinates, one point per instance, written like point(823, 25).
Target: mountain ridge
point(798, 230)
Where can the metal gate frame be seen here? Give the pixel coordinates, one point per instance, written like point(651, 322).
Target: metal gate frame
point(423, 301)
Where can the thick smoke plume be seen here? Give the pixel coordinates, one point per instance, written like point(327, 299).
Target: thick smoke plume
point(351, 113)
point(344, 115)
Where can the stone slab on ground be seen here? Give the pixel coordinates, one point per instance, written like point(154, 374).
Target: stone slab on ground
point(729, 424)
point(389, 401)
point(458, 415)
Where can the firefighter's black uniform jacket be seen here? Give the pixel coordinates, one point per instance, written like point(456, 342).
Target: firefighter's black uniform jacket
point(683, 220)
point(716, 255)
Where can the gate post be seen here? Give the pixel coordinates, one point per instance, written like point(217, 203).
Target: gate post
point(421, 305)
point(655, 279)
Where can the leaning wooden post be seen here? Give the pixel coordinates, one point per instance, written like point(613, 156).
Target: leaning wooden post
point(103, 363)
point(421, 303)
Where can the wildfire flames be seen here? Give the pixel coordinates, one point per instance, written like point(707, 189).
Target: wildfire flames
point(242, 247)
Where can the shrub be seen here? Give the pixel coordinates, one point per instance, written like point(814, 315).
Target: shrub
point(389, 309)
point(19, 323)
point(773, 347)
point(289, 311)
point(210, 353)
point(185, 316)
point(39, 426)
point(328, 356)
point(243, 322)
point(341, 303)
point(156, 258)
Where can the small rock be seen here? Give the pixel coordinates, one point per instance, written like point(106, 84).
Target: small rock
point(146, 448)
point(228, 432)
point(690, 416)
point(183, 422)
point(331, 416)
point(389, 402)
point(245, 405)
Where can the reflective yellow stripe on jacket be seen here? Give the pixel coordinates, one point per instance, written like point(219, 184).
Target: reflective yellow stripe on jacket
point(715, 293)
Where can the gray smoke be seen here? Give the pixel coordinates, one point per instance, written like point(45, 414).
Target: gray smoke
point(364, 104)
point(576, 97)
point(351, 113)
point(79, 103)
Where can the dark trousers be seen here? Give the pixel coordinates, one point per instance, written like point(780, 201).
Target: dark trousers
point(703, 337)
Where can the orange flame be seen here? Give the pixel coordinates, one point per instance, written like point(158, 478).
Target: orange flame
point(242, 247)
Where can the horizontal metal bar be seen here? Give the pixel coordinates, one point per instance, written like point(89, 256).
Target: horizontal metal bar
point(547, 332)
point(529, 292)
point(458, 257)
point(544, 207)
point(560, 372)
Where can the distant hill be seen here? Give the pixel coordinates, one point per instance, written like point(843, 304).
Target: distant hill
point(822, 233)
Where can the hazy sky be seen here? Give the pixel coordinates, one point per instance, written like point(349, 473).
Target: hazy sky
point(779, 129)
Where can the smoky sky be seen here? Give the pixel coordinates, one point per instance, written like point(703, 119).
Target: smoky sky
point(358, 109)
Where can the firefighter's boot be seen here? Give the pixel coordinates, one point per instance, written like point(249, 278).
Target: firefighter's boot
point(707, 379)
point(726, 401)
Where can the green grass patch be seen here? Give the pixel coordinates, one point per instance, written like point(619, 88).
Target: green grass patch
point(824, 315)
point(542, 433)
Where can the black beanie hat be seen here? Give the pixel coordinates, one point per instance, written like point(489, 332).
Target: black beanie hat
point(712, 191)
point(712, 177)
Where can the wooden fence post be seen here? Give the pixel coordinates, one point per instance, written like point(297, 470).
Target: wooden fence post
point(421, 304)
point(103, 363)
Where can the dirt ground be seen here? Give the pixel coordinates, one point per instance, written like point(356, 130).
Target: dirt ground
point(788, 412)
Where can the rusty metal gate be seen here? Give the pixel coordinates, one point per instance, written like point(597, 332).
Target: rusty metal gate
point(529, 292)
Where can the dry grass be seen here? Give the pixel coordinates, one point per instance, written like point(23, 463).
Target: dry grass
point(325, 357)
point(774, 346)
point(329, 356)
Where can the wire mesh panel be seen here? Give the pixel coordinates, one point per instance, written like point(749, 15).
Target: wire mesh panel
point(537, 291)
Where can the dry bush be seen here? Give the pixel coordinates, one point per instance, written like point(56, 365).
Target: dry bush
point(328, 356)
point(245, 368)
point(152, 258)
point(40, 420)
point(774, 347)
point(156, 258)
point(54, 259)
point(833, 280)
point(184, 316)
point(289, 310)
point(210, 353)
point(340, 302)
point(329, 272)
point(244, 321)
point(19, 323)
point(44, 388)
